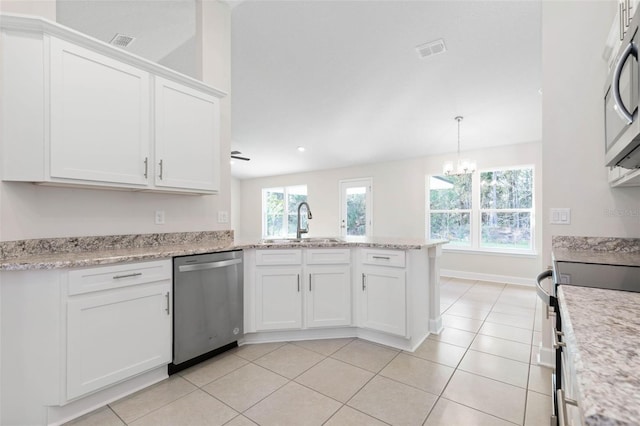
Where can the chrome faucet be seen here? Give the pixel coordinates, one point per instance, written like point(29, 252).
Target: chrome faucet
point(300, 231)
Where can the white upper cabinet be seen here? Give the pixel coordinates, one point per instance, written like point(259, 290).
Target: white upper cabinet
point(76, 111)
point(187, 132)
point(99, 117)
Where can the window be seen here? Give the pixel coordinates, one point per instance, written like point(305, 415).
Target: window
point(489, 210)
point(450, 206)
point(280, 211)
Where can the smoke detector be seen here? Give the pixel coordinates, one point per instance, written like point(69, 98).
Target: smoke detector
point(431, 48)
point(122, 40)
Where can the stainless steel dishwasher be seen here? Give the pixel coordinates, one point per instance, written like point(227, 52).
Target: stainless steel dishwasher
point(207, 306)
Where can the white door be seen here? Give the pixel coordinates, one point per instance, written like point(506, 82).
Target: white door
point(187, 137)
point(99, 117)
point(114, 335)
point(328, 290)
point(383, 305)
point(356, 208)
point(278, 298)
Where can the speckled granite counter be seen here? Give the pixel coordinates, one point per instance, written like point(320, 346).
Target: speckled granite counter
point(602, 327)
point(57, 253)
point(606, 250)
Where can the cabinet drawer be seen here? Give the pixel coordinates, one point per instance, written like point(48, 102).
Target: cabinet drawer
point(384, 257)
point(116, 276)
point(327, 256)
point(278, 257)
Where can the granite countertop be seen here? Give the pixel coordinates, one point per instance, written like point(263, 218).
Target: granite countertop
point(601, 329)
point(592, 256)
point(90, 251)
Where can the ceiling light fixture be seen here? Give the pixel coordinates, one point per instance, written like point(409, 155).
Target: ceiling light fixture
point(464, 165)
point(301, 148)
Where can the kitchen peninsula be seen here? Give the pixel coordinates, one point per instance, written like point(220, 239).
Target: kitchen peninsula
point(384, 290)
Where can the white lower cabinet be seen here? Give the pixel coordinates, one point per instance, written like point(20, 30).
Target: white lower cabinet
point(116, 334)
point(383, 299)
point(328, 300)
point(69, 334)
point(383, 291)
point(278, 298)
point(293, 291)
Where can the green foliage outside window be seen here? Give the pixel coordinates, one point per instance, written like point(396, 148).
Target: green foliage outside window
point(280, 210)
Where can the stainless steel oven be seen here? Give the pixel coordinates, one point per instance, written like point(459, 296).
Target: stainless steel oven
point(612, 277)
point(622, 93)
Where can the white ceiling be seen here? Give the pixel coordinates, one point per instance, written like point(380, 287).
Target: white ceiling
point(159, 26)
point(343, 79)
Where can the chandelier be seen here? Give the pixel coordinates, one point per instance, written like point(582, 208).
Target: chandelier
point(463, 165)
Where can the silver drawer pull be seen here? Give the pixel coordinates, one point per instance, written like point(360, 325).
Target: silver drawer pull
point(135, 274)
point(382, 257)
point(168, 308)
point(556, 342)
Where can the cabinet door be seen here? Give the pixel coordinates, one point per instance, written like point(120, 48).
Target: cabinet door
point(113, 335)
point(328, 295)
point(278, 298)
point(383, 305)
point(187, 137)
point(99, 117)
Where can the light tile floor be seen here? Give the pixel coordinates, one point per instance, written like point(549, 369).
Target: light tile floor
point(479, 371)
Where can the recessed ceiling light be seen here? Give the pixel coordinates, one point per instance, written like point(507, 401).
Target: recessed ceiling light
point(301, 148)
point(232, 162)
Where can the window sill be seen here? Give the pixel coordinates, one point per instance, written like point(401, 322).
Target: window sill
point(527, 254)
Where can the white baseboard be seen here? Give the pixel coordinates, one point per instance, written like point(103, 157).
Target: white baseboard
point(523, 281)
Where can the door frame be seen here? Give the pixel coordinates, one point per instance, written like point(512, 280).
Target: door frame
point(343, 184)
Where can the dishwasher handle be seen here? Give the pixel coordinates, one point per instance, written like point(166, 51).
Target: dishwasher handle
point(208, 265)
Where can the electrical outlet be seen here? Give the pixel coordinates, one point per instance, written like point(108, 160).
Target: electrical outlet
point(223, 216)
point(159, 217)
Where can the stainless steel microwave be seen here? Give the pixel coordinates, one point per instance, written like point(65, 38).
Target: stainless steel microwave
point(621, 99)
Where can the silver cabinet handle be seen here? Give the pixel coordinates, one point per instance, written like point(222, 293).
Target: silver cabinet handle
point(556, 342)
point(629, 15)
point(382, 257)
point(309, 282)
point(298, 283)
point(364, 286)
point(135, 274)
point(146, 167)
point(563, 401)
point(621, 20)
point(161, 169)
point(621, 109)
point(208, 265)
point(168, 309)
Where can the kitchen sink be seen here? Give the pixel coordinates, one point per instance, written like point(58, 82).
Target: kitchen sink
point(301, 240)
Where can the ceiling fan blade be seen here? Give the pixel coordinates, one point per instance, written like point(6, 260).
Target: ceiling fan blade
point(237, 157)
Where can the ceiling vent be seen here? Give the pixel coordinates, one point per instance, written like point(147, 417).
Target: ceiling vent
point(122, 40)
point(432, 48)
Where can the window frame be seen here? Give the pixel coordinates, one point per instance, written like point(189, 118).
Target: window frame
point(285, 220)
point(477, 211)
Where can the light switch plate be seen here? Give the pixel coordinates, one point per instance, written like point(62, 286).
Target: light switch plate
point(159, 217)
point(223, 216)
point(559, 216)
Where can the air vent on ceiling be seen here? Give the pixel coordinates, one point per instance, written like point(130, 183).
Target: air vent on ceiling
point(122, 40)
point(432, 48)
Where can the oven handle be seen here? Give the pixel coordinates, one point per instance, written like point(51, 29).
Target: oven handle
point(542, 293)
point(618, 105)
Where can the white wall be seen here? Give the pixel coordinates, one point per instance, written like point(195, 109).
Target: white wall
point(573, 39)
point(29, 211)
point(398, 204)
